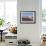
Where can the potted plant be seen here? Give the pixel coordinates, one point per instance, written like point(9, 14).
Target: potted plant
point(1, 22)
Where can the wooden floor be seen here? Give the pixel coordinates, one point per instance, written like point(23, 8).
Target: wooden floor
point(2, 43)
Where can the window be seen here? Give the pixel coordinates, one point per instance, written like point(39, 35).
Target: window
point(8, 10)
point(44, 16)
point(1, 9)
point(11, 11)
point(44, 12)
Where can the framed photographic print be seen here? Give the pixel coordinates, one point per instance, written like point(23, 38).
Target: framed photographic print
point(27, 17)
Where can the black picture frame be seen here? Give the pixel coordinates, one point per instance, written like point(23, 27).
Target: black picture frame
point(27, 17)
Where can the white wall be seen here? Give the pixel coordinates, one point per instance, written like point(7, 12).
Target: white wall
point(29, 31)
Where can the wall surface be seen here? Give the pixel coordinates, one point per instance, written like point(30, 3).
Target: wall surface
point(30, 31)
